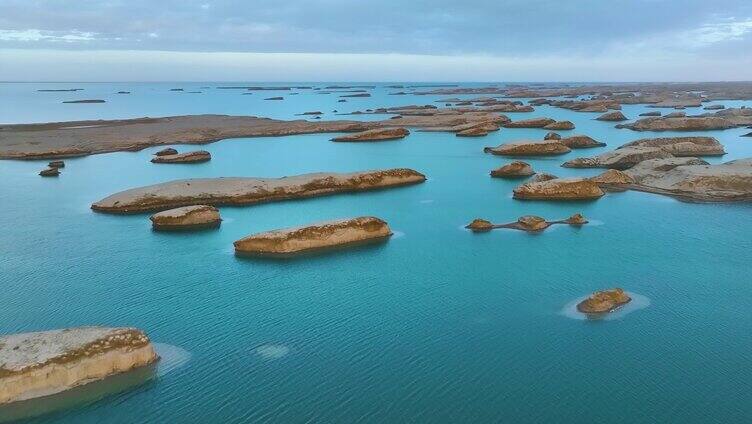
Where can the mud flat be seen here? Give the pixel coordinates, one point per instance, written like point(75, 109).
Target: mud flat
point(43, 363)
point(315, 237)
point(246, 191)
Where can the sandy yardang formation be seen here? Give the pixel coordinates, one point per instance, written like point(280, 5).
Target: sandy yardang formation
point(43, 363)
point(186, 218)
point(245, 191)
point(318, 236)
point(604, 301)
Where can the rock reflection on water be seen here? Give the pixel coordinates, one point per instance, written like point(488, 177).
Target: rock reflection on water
point(171, 357)
point(638, 302)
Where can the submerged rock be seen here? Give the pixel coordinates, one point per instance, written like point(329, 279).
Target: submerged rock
point(682, 146)
point(530, 123)
point(513, 170)
point(314, 237)
point(50, 172)
point(714, 107)
point(43, 363)
point(85, 101)
point(166, 152)
point(559, 189)
point(246, 191)
point(560, 125)
point(187, 218)
point(379, 134)
point(622, 158)
point(188, 157)
point(580, 142)
point(604, 301)
point(612, 116)
point(529, 148)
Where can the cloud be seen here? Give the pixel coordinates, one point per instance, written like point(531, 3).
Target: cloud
point(35, 35)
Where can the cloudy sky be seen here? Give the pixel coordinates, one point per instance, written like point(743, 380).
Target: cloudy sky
point(384, 40)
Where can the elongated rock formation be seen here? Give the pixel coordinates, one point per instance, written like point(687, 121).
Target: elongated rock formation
point(379, 134)
point(514, 169)
point(530, 123)
point(529, 223)
point(43, 363)
point(318, 236)
point(680, 124)
point(246, 191)
point(187, 157)
point(559, 189)
point(682, 146)
point(529, 148)
point(186, 218)
point(624, 158)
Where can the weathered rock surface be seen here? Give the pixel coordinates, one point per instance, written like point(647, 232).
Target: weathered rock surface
point(529, 148)
point(714, 107)
point(186, 218)
point(379, 134)
point(246, 191)
point(681, 146)
point(680, 124)
point(166, 152)
point(622, 158)
point(529, 223)
point(50, 172)
point(654, 113)
point(43, 363)
point(612, 116)
point(693, 179)
point(188, 157)
point(580, 142)
point(612, 177)
point(542, 176)
point(56, 164)
point(559, 189)
point(314, 237)
point(514, 169)
point(552, 136)
point(529, 123)
point(604, 301)
point(560, 125)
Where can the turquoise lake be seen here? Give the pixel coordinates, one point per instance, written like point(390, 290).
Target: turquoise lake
point(436, 325)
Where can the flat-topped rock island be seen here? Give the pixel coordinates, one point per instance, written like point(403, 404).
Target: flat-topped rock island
point(314, 237)
point(246, 191)
point(47, 362)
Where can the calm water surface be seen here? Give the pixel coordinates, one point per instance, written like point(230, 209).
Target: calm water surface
point(437, 325)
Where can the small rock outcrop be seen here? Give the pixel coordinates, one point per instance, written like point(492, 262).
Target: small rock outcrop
point(529, 148)
point(552, 136)
point(47, 362)
point(559, 189)
point(622, 158)
point(169, 151)
point(188, 157)
point(480, 225)
point(580, 142)
point(514, 169)
point(529, 123)
point(560, 125)
point(379, 134)
point(56, 164)
point(612, 177)
point(542, 176)
point(614, 116)
point(186, 218)
point(50, 172)
point(604, 301)
point(682, 146)
point(319, 236)
point(654, 113)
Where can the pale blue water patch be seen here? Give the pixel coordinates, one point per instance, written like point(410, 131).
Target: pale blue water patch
point(440, 325)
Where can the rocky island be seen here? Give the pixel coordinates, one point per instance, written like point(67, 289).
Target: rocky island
point(246, 191)
point(324, 235)
point(197, 156)
point(186, 218)
point(379, 134)
point(529, 148)
point(529, 223)
point(559, 189)
point(514, 169)
point(602, 302)
point(43, 363)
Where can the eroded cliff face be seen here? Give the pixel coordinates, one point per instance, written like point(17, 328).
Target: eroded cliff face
point(42, 363)
point(314, 237)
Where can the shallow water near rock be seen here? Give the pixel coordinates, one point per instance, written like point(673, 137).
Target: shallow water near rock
point(638, 302)
point(438, 326)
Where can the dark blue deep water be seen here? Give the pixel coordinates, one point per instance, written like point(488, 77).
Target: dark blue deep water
point(437, 325)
